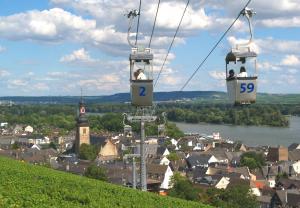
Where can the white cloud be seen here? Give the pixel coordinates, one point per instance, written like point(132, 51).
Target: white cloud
point(2, 49)
point(288, 79)
point(47, 25)
point(292, 71)
point(170, 14)
point(171, 80)
point(103, 83)
point(270, 45)
point(263, 81)
point(290, 60)
point(4, 73)
point(17, 83)
point(40, 86)
point(234, 42)
point(217, 75)
point(281, 22)
point(267, 66)
point(78, 56)
point(264, 9)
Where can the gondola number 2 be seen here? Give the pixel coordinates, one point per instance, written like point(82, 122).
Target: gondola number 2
point(247, 87)
point(142, 91)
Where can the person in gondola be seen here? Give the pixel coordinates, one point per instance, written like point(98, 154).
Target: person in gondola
point(243, 72)
point(231, 74)
point(139, 75)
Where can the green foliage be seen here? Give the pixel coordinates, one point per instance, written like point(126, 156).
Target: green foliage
point(281, 175)
point(24, 185)
point(183, 188)
point(252, 160)
point(271, 115)
point(96, 172)
point(43, 118)
point(88, 152)
point(235, 197)
point(15, 146)
point(173, 131)
point(52, 145)
point(173, 156)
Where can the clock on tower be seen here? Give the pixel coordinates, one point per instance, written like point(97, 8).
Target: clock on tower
point(82, 110)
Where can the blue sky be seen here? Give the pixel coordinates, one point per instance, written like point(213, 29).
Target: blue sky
point(56, 47)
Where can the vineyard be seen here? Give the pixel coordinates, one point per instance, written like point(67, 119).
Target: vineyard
point(23, 185)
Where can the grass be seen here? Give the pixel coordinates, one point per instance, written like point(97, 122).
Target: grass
point(23, 185)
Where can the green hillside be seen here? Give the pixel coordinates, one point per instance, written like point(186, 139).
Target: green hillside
point(23, 185)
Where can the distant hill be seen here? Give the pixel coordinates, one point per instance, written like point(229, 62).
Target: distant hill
point(24, 185)
point(198, 96)
point(116, 98)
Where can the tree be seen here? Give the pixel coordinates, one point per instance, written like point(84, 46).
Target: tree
point(252, 160)
point(235, 197)
point(173, 156)
point(52, 145)
point(96, 172)
point(87, 152)
point(183, 188)
point(15, 146)
point(173, 131)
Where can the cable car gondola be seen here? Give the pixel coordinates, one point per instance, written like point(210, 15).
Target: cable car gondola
point(241, 70)
point(141, 77)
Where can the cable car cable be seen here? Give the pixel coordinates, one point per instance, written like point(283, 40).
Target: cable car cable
point(187, 4)
point(224, 34)
point(138, 23)
point(154, 24)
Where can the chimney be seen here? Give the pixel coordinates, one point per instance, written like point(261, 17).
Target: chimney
point(268, 172)
point(278, 169)
point(290, 170)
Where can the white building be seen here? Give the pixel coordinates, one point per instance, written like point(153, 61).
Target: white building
point(28, 129)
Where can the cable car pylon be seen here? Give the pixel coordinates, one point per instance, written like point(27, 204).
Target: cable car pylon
point(141, 88)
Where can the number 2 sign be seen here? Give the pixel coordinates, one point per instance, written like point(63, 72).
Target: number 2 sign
point(142, 91)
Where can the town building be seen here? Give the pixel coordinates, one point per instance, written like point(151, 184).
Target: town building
point(82, 128)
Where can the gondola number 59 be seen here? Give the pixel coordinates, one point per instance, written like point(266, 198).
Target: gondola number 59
point(247, 87)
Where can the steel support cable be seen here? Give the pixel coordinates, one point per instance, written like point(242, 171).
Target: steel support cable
point(138, 23)
point(154, 24)
point(224, 34)
point(187, 4)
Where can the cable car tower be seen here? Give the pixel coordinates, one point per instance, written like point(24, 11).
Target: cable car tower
point(141, 88)
point(241, 69)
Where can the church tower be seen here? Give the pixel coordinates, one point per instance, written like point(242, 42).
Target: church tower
point(82, 128)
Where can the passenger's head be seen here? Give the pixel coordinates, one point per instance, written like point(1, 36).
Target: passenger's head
point(136, 74)
point(231, 72)
point(242, 69)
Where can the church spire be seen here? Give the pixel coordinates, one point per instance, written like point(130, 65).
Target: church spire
point(81, 105)
point(82, 126)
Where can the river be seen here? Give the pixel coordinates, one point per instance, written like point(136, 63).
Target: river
point(250, 135)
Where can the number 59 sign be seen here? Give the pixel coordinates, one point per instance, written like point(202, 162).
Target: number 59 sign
point(247, 87)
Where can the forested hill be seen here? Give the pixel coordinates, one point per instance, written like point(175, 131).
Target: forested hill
point(24, 185)
point(200, 96)
point(116, 98)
